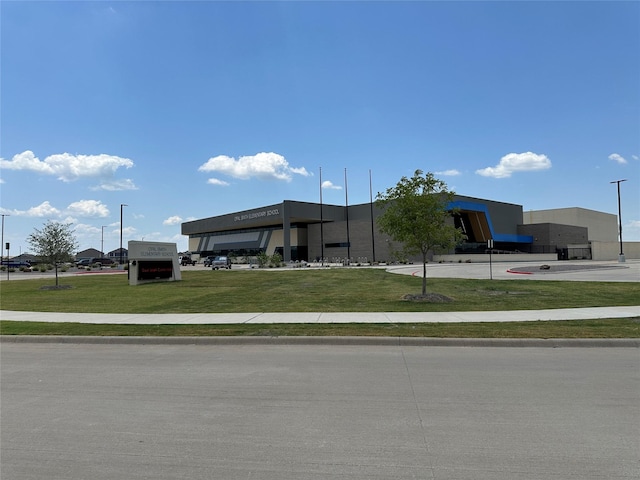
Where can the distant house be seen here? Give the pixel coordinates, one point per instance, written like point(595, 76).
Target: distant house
point(115, 255)
point(89, 253)
point(26, 257)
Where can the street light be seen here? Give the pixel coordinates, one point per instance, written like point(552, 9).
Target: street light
point(121, 205)
point(102, 242)
point(621, 256)
point(2, 242)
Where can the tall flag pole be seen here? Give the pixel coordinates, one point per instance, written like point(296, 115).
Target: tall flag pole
point(346, 201)
point(373, 243)
point(321, 224)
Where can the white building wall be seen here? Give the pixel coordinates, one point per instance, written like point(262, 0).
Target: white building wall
point(611, 250)
point(603, 227)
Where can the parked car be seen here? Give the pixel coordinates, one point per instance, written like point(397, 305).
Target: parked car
point(16, 264)
point(103, 261)
point(209, 261)
point(186, 260)
point(88, 262)
point(221, 262)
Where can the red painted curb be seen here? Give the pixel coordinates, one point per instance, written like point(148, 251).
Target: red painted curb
point(99, 272)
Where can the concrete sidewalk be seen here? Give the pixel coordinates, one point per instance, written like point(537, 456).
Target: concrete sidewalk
point(329, 317)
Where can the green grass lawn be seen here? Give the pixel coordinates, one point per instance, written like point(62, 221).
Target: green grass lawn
point(602, 328)
point(330, 290)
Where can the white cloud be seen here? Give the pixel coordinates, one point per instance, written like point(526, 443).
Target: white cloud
point(26, 161)
point(266, 166)
point(174, 220)
point(67, 167)
point(635, 157)
point(88, 208)
point(69, 219)
point(330, 186)
point(154, 237)
point(86, 230)
point(116, 185)
point(618, 158)
point(82, 208)
point(449, 173)
point(215, 181)
point(516, 162)
point(126, 232)
point(45, 209)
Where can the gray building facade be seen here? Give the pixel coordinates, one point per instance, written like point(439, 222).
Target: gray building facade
point(313, 231)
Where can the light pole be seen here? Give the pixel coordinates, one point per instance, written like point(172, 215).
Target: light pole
point(121, 205)
point(621, 256)
point(102, 242)
point(2, 242)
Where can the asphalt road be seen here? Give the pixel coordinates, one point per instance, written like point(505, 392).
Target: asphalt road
point(318, 412)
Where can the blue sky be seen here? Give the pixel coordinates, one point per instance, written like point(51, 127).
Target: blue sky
point(185, 110)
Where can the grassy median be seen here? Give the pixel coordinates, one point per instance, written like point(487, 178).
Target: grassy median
point(330, 290)
point(603, 328)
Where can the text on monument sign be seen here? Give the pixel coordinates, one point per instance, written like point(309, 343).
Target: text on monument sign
point(157, 252)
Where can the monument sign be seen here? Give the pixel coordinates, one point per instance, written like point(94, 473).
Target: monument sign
point(153, 262)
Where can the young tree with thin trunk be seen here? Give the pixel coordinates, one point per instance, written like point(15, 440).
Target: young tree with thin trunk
point(416, 214)
point(55, 243)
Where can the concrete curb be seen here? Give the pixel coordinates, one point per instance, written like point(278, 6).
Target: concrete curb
point(325, 340)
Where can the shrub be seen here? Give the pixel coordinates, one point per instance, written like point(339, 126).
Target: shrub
point(276, 260)
point(263, 259)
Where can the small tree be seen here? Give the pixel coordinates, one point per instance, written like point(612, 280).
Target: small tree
point(415, 214)
point(263, 259)
point(55, 243)
point(276, 260)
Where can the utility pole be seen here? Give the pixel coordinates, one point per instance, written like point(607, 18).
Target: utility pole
point(346, 208)
point(321, 224)
point(121, 205)
point(102, 243)
point(2, 242)
point(621, 256)
point(373, 235)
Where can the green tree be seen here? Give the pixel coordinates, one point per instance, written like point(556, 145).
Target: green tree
point(415, 214)
point(55, 243)
point(276, 260)
point(263, 259)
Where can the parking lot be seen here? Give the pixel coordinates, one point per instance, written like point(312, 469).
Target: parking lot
point(576, 270)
